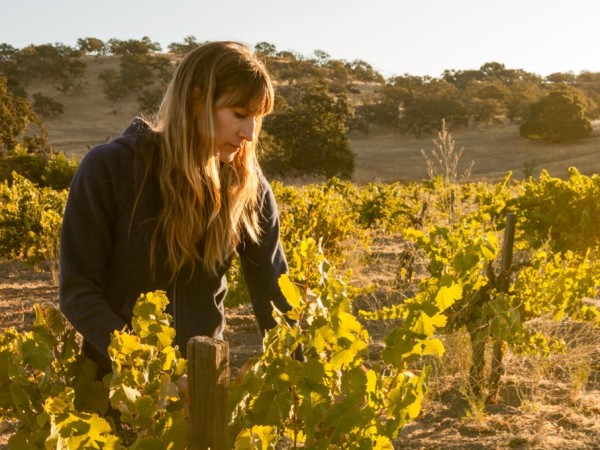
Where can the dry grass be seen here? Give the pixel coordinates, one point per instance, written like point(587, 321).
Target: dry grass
point(538, 409)
point(383, 155)
point(387, 156)
point(89, 119)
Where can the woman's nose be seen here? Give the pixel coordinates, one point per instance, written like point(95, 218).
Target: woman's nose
point(248, 128)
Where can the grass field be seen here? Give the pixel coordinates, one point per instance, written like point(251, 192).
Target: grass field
point(494, 150)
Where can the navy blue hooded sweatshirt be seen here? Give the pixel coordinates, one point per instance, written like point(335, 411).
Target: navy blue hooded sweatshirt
point(105, 252)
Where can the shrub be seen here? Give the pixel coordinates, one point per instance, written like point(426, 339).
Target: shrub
point(30, 220)
point(558, 116)
point(45, 170)
point(566, 212)
point(46, 106)
point(59, 171)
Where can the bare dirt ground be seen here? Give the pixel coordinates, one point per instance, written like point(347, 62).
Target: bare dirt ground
point(544, 404)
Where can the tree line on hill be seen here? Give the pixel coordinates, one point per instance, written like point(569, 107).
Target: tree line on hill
point(319, 98)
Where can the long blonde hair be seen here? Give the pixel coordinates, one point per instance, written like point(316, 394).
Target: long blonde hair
point(203, 200)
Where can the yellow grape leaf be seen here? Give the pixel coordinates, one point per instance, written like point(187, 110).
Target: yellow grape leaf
point(266, 434)
point(290, 291)
point(295, 434)
point(371, 381)
point(489, 249)
point(413, 409)
point(243, 440)
point(158, 298)
point(343, 357)
point(125, 393)
point(166, 337)
point(324, 338)
point(447, 295)
point(383, 443)
point(56, 405)
point(168, 357)
point(129, 343)
point(98, 427)
point(349, 324)
point(429, 347)
point(427, 325)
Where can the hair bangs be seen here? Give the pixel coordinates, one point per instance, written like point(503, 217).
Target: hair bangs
point(254, 93)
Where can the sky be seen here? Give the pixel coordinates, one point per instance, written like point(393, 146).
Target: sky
point(417, 37)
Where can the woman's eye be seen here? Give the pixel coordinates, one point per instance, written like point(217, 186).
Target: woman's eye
point(239, 115)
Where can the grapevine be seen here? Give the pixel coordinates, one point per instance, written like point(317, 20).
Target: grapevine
point(338, 398)
point(50, 389)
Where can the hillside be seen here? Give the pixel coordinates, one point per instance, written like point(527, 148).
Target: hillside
point(382, 155)
point(495, 150)
point(89, 118)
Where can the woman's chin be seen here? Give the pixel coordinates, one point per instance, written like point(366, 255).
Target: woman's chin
point(227, 157)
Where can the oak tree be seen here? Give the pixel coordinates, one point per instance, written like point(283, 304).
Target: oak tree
point(559, 116)
point(313, 134)
point(19, 124)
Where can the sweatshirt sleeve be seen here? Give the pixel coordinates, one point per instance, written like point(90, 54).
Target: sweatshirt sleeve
point(264, 262)
point(85, 249)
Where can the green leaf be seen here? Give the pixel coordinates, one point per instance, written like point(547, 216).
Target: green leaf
point(37, 354)
point(168, 390)
point(148, 443)
point(145, 406)
point(398, 343)
point(51, 318)
point(42, 419)
point(91, 397)
point(18, 441)
point(313, 371)
point(82, 369)
point(271, 407)
point(20, 398)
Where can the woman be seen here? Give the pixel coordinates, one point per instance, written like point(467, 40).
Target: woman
point(167, 205)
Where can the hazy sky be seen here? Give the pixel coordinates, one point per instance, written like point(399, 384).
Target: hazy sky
point(420, 37)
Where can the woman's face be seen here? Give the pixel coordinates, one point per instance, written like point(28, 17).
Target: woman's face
point(234, 126)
